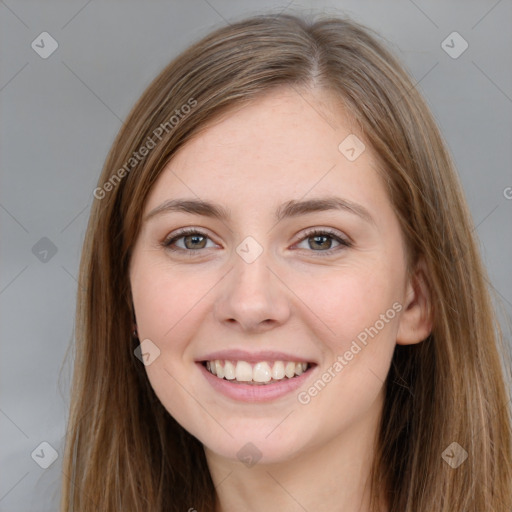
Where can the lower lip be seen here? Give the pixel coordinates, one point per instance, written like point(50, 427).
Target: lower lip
point(255, 392)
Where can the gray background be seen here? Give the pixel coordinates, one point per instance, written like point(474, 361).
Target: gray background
point(60, 116)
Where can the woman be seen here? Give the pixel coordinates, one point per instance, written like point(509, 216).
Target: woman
point(284, 307)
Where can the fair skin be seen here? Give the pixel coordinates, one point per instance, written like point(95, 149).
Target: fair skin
point(292, 298)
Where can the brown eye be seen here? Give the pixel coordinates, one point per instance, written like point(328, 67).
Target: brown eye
point(322, 241)
point(193, 240)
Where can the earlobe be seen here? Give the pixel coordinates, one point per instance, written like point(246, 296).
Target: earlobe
point(416, 320)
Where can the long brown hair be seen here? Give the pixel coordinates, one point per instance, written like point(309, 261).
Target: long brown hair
point(125, 452)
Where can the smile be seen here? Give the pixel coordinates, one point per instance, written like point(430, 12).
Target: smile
point(262, 372)
point(262, 376)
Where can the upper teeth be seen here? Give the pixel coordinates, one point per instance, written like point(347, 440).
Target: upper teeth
point(261, 372)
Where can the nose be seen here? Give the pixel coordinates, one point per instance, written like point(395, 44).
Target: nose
point(252, 297)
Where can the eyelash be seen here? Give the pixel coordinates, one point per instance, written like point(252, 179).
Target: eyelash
point(167, 243)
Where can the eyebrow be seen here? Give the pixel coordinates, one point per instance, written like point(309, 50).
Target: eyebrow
point(289, 209)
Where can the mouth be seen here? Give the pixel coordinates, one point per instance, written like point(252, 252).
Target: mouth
point(259, 373)
point(261, 376)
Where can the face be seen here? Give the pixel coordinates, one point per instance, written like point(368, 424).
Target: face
point(294, 303)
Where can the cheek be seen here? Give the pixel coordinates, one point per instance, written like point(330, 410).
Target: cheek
point(167, 305)
point(352, 300)
point(163, 298)
point(361, 311)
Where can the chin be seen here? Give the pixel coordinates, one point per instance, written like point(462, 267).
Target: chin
point(254, 445)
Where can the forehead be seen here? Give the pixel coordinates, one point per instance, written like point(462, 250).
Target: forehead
point(304, 122)
point(283, 145)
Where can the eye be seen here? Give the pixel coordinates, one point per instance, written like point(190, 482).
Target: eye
point(192, 238)
point(322, 239)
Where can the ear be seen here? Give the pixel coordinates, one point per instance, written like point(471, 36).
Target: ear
point(416, 320)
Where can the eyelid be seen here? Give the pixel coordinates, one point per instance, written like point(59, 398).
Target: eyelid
point(343, 240)
point(181, 233)
point(326, 231)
